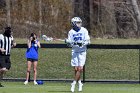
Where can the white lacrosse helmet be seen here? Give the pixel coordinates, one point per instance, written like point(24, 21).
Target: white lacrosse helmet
point(75, 20)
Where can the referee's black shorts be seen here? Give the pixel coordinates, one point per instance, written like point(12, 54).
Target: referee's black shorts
point(5, 62)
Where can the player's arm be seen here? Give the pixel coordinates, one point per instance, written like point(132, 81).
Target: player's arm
point(87, 39)
point(38, 44)
point(29, 42)
point(13, 43)
point(69, 40)
point(1, 49)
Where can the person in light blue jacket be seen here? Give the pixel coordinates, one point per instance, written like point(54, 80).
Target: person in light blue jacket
point(32, 56)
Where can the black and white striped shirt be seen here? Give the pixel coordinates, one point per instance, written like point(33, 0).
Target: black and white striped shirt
point(6, 43)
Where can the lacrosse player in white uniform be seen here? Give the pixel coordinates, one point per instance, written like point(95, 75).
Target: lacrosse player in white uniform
point(78, 39)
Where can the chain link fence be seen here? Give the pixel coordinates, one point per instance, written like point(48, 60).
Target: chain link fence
point(101, 64)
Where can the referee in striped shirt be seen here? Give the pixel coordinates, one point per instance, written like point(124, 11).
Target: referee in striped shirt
point(6, 43)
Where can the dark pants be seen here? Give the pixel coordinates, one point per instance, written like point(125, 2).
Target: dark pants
point(5, 62)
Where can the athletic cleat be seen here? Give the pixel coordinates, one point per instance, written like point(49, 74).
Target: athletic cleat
point(26, 82)
point(72, 87)
point(80, 87)
point(35, 83)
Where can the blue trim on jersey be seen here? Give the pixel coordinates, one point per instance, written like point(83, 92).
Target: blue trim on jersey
point(77, 29)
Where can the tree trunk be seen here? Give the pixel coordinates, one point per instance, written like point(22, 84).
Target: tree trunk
point(91, 15)
point(137, 14)
point(8, 13)
point(86, 14)
point(40, 17)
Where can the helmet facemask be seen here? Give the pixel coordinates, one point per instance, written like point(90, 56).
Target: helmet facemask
point(79, 24)
point(76, 23)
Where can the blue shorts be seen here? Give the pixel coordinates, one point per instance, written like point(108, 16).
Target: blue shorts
point(31, 59)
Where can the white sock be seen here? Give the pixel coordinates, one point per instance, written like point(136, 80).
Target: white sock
point(74, 82)
point(79, 82)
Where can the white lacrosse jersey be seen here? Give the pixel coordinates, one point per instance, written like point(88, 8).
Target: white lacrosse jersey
point(80, 36)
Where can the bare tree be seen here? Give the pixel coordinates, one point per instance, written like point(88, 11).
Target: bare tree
point(137, 13)
point(91, 14)
point(8, 13)
point(40, 17)
point(103, 18)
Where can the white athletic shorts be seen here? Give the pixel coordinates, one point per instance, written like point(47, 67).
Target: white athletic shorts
point(78, 59)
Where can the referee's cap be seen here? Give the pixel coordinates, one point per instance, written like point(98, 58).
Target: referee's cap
point(7, 31)
point(8, 28)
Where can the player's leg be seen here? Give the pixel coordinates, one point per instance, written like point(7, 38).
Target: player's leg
point(79, 79)
point(1, 68)
point(74, 63)
point(82, 59)
point(77, 74)
point(35, 72)
point(74, 82)
point(1, 76)
point(76, 77)
point(4, 66)
point(29, 64)
point(2, 72)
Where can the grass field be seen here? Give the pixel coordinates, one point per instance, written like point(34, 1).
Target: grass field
point(93, 41)
point(64, 87)
point(101, 64)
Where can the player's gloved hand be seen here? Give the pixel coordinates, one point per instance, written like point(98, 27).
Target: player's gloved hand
point(80, 44)
point(86, 42)
point(68, 42)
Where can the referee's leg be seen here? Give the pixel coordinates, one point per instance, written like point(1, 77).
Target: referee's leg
point(2, 72)
point(5, 65)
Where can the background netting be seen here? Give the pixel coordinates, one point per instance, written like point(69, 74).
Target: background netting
point(101, 64)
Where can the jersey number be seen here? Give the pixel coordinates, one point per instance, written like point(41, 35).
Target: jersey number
point(77, 38)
